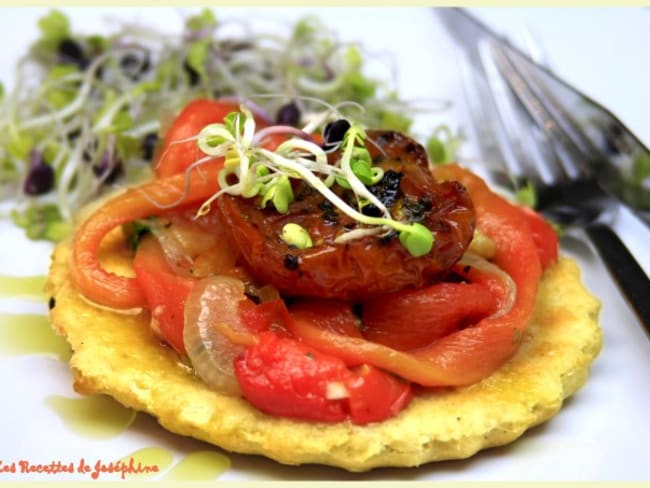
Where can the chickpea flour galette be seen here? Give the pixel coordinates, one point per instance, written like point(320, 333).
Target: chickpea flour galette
point(321, 295)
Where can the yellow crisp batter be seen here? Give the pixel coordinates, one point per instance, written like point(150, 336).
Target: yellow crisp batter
point(117, 354)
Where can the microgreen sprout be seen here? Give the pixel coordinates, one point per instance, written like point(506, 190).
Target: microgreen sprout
point(443, 145)
point(80, 98)
point(297, 236)
point(250, 170)
point(417, 239)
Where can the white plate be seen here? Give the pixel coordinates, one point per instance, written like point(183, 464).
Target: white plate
point(600, 434)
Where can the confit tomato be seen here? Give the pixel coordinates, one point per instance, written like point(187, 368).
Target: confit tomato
point(366, 266)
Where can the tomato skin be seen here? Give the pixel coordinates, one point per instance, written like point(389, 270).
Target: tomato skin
point(164, 291)
point(175, 158)
point(544, 236)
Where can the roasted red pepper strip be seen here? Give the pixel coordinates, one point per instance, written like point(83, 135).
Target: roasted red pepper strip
point(466, 356)
point(143, 201)
point(428, 312)
point(544, 236)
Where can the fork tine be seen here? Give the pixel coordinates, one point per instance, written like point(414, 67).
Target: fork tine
point(574, 151)
point(563, 118)
point(483, 121)
point(529, 145)
point(549, 134)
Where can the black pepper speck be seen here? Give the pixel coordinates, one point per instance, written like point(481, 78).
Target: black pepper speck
point(291, 262)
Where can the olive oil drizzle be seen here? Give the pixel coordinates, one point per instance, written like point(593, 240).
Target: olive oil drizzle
point(22, 334)
point(23, 287)
point(93, 417)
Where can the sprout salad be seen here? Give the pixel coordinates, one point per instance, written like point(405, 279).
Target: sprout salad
point(86, 111)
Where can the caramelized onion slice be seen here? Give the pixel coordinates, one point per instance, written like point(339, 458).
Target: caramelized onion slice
point(214, 334)
point(508, 289)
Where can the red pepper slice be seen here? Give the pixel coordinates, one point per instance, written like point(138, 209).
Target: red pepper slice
point(414, 318)
point(164, 291)
point(284, 377)
point(544, 236)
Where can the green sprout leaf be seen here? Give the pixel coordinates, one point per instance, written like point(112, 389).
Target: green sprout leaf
point(305, 29)
point(262, 170)
point(97, 44)
point(343, 182)
point(417, 239)
point(121, 122)
point(50, 151)
point(60, 98)
point(353, 58)
point(357, 87)
point(280, 193)
point(443, 145)
point(203, 20)
point(234, 122)
point(145, 87)
point(296, 236)
point(526, 195)
point(54, 27)
point(128, 147)
point(363, 171)
point(19, 146)
point(42, 222)
point(395, 121)
point(59, 71)
point(197, 56)
point(436, 150)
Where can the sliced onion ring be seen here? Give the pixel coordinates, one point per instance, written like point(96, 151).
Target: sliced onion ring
point(214, 334)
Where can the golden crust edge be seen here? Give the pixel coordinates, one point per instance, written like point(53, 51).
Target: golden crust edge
point(552, 364)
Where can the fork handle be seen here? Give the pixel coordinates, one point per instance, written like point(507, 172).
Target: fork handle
point(631, 278)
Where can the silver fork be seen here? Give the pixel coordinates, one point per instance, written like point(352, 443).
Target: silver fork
point(539, 142)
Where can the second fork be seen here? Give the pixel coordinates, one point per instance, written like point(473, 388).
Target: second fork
point(566, 172)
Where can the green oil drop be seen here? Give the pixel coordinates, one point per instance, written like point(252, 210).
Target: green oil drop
point(199, 466)
point(25, 287)
point(31, 334)
point(94, 417)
